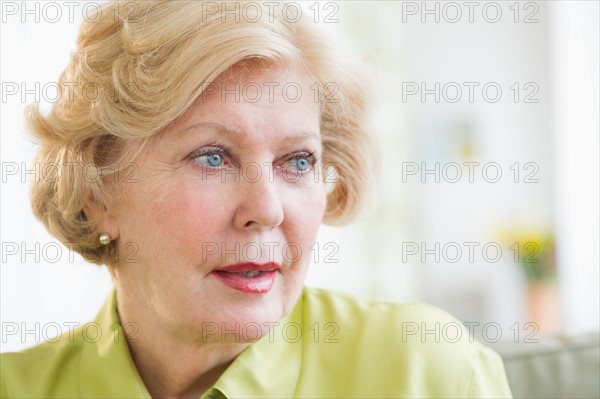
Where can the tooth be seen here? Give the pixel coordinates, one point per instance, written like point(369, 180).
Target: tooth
point(250, 274)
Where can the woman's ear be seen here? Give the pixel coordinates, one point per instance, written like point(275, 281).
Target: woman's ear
point(98, 215)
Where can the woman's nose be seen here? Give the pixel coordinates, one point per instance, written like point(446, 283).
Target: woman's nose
point(260, 204)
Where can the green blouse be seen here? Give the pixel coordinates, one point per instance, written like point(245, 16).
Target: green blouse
point(330, 345)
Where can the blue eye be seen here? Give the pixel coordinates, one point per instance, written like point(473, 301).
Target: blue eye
point(211, 160)
point(302, 164)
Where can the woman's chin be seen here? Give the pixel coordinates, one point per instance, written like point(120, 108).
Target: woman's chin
point(250, 325)
point(241, 317)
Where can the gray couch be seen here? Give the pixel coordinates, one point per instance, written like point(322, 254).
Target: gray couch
point(554, 367)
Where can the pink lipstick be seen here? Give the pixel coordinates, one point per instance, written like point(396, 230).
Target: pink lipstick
point(252, 278)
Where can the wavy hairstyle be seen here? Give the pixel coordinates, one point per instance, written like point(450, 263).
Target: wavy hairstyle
point(139, 65)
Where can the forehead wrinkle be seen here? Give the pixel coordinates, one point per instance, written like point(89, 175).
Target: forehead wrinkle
point(230, 130)
point(236, 132)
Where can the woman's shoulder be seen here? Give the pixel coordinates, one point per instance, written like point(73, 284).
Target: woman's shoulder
point(406, 326)
point(406, 349)
point(410, 317)
point(31, 371)
point(91, 360)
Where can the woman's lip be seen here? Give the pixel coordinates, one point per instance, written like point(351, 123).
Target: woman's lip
point(260, 284)
point(244, 267)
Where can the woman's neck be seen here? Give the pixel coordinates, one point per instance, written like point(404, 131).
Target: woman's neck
point(171, 364)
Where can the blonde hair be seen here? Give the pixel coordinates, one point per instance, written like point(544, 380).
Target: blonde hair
point(139, 65)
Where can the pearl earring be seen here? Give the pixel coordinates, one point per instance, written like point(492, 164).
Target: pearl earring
point(104, 239)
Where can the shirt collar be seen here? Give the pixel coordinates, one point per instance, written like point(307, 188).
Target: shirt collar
point(269, 367)
point(107, 369)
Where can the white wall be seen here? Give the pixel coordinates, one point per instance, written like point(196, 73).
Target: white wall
point(40, 280)
point(574, 41)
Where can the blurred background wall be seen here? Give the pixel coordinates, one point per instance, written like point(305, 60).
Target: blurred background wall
point(487, 120)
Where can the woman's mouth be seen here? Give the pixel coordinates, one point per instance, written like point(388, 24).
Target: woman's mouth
point(251, 278)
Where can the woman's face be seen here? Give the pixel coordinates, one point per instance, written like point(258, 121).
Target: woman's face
point(230, 189)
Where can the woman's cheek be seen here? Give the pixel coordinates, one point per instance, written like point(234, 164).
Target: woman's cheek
point(190, 210)
point(306, 214)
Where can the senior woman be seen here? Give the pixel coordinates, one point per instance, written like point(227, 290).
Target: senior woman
point(198, 137)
